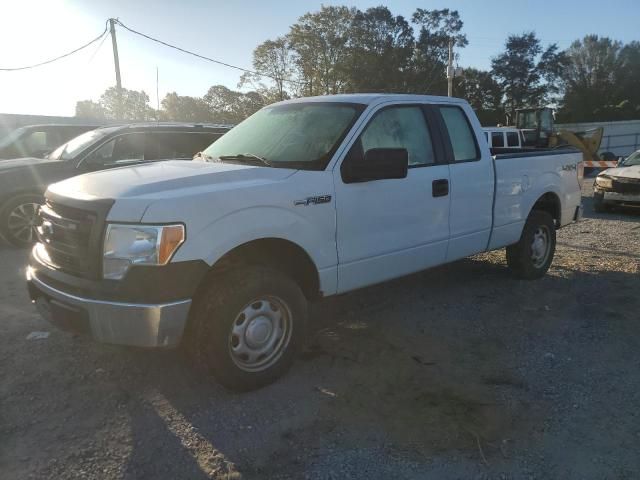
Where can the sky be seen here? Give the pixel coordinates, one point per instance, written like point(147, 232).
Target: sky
point(36, 30)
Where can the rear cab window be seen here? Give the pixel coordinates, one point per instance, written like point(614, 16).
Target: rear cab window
point(497, 139)
point(513, 139)
point(461, 135)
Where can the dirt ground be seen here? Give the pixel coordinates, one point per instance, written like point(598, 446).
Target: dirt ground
point(457, 372)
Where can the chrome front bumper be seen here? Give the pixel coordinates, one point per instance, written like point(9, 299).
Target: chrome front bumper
point(140, 325)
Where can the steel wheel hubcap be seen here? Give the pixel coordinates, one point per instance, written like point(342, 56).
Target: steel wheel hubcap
point(22, 222)
point(260, 334)
point(540, 246)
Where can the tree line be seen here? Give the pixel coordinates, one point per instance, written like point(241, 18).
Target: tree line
point(340, 49)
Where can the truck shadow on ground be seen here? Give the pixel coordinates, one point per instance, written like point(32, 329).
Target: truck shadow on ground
point(416, 365)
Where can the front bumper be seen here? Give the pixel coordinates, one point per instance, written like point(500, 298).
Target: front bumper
point(619, 197)
point(140, 325)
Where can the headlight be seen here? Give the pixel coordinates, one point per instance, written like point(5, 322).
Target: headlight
point(127, 245)
point(604, 182)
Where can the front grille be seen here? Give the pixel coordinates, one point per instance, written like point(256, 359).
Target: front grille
point(626, 185)
point(65, 233)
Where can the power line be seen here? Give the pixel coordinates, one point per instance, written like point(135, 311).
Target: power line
point(104, 37)
point(59, 57)
point(253, 72)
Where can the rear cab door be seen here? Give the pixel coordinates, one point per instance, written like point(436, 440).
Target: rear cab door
point(471, 180)
point(393, 227)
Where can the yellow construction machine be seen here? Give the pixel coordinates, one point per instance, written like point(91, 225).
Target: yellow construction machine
point(537, 127)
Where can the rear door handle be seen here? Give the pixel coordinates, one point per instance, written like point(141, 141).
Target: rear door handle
point(440, 188)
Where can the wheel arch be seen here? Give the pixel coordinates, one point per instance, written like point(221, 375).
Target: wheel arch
point(278, 253)
point(549, 202)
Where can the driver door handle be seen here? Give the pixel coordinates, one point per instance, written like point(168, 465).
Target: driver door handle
point(440, 188)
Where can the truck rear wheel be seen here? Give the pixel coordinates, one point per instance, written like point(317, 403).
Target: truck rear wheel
point(531, 257)
point(246, 326)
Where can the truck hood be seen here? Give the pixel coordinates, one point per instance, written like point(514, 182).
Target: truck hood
point(624, 172)
point(16, 163)
point(163, 179)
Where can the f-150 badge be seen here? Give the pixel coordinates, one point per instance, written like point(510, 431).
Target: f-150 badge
point(313, 200)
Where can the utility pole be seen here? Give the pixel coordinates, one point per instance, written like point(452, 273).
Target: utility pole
point(116, 62)
point(450, 71)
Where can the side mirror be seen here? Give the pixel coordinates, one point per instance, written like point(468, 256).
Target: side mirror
point(377, 164)
point(620, 160)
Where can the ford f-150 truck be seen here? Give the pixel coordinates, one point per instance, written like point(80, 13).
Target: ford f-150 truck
point(305, 199)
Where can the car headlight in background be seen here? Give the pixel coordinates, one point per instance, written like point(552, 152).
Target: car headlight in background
point(127, 245)
point(604, 182)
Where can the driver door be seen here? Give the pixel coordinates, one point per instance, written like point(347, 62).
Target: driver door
point(393, 227)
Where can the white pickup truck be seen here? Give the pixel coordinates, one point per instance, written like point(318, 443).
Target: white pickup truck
point(305, 199)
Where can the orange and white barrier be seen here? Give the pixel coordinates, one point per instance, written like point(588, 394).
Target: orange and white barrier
point(601, 164)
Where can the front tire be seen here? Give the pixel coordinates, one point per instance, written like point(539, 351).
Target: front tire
point(246, 327)
point(599, 204)
point(18, 219)
point(531, 257)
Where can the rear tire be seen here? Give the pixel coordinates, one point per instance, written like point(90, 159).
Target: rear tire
point(246, 326)
point(18, 219)
point(531, 257)
point(599, 204)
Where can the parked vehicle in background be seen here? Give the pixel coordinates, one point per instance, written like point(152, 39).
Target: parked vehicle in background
point(38, 140)
point(619, 185)
point(24, 180)
point(503, 137)
point(305, 199)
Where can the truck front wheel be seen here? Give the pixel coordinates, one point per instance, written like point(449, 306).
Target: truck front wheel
point(246, 327)
point(531, 257)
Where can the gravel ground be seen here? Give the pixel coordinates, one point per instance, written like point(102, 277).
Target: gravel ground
point(457, 372)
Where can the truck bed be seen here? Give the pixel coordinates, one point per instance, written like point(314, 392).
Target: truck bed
point(519, 181)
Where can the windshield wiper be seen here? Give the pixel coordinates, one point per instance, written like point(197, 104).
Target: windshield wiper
point(246, 157)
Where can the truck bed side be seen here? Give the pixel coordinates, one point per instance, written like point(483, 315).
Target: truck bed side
point(524, 178)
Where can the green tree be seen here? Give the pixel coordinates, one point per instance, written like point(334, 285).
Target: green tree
point(526, 74)
point(436, 29)
point(134, 104)
point(379, 52)
point(274, 62)
point(90, 110)
point(319, 41)
point(483, 93)
point(600, 80)
point(627, 81)
point(231, 106)
point(184, 108)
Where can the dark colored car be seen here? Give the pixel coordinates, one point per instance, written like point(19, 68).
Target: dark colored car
point(38, 140)
point(24, 180)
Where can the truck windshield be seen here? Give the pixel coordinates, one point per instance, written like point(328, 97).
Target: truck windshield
point(292, 135)
point(69, 150)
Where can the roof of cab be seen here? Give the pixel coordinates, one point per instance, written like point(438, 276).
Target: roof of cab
point(177, 126)
point(374, 98)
